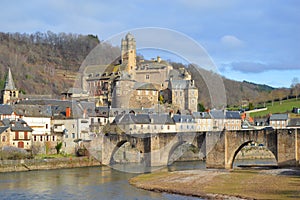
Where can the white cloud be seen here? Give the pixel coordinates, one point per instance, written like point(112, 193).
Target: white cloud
point(231, 41)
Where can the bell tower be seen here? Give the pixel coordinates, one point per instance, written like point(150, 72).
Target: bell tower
point(128, 53)
point(10, 93)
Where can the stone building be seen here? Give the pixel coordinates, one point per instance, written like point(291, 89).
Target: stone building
point(10, 93)
point(279, 120)
point(184, 94)
point(15, 133)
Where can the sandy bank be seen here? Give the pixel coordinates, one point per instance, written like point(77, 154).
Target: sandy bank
point(216, 184)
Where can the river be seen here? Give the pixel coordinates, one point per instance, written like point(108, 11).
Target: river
point(90, 182)
point(82, 183)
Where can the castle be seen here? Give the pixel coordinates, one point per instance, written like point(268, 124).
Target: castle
point(134, 83)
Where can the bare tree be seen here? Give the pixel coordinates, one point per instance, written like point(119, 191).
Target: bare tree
point(295, 87)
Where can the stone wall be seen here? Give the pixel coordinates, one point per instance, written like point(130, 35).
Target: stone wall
point(46, 164)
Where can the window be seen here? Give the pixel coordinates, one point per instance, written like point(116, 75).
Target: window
point(73, 125)
point(73, 135)
point(34, 138)
point(3, 138)
point(41, 138)
point(66, 136)
point(53, 138)
point(16, 135)
point(168, 127)
point(25, 135)
point(147, 76)
point(46, 126)
point(47, 138)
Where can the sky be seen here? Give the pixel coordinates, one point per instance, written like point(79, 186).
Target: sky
point(256, 41)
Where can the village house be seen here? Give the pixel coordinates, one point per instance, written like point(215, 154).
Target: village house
point(15, 133)
point(145, 123)
point(38, 117)
point(218, 118)
point(184, 123)
point(203, 120)
point(279, 120)
point(233, 120)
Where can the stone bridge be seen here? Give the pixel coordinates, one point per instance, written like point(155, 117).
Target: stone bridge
point(283, 143)
point(153, 149)
point(219, 148)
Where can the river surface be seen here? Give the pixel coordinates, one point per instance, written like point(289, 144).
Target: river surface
point(89, 183)
point(82, 183)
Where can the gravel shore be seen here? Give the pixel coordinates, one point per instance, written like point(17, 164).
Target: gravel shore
point(223, 184)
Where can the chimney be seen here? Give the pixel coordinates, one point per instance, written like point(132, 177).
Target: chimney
point(68, 112)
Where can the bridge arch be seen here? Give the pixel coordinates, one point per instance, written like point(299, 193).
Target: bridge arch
point(175, 147)
point(237, 150)
point(115, 149)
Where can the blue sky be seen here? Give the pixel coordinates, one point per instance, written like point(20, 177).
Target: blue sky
point(257, 40)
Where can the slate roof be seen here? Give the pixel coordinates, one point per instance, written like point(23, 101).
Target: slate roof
point(161, 119)
point(144, 86)
point(17, 125)
point(233, 115)
point(217, 114)
point(201, 115)
point(183, 118)
point(181, 84)
point(132, 119)
point(33, 110)
point(279, 117)
point(58, 107)
point(9, 82)
point(3, 128)
point(6, 110)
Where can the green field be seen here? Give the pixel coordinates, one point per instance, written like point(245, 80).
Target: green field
point(278, 107)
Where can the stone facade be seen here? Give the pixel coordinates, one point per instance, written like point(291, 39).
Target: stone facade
point(184, 94)
point(15, 133)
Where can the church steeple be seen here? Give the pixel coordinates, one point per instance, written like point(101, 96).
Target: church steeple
point(9, 94)
point(9, 82)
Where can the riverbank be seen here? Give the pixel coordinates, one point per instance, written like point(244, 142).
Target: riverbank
point(46, 164)
point(222, 184)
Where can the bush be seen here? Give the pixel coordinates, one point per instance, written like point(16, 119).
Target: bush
point(13, 153)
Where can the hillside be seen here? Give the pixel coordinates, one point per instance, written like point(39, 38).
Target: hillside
point(47, 63)
point(44, 63)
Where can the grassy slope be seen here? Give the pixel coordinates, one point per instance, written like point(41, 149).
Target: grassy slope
point(277, 107)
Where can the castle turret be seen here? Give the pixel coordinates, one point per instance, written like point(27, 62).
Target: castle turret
point(10, 93)
point(128, 54)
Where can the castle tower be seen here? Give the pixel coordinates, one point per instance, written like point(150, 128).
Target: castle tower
point(128, 53)
point(10, 93)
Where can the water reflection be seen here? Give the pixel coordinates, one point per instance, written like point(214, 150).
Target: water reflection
point(80, 183)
